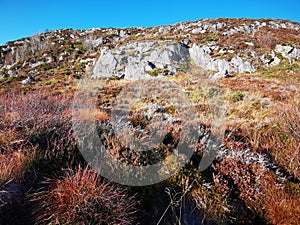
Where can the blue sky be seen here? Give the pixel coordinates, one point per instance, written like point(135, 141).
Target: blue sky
point(22, 18)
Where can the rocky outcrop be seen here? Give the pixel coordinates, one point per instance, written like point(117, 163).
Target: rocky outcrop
point(288, 51)
point(202, 58)
point(137, 60)
point(274, 57)
point(270, 59)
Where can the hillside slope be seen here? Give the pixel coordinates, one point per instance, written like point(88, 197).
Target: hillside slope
point(236, 45)
point(227, 89)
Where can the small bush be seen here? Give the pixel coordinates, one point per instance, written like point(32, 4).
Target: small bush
point(211, 37)
point(213, 92)
point(138, 119)
point(184, 67)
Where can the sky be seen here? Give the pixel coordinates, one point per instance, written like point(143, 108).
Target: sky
point(23, 18)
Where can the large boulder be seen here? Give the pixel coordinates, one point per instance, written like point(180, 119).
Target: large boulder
point(132, 60)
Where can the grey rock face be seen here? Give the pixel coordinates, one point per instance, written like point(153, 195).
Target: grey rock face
point(132, 60)
point(88, 43)
point(201, 57)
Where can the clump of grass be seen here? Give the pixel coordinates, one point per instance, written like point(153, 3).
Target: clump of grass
point(282, 207)
point(11, 166)
point(138, 119)
point(96, 114)
point(184, 67)
point(81, 197)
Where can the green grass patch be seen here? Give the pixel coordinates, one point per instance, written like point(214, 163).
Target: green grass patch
point(237, 96)
point(155, 72)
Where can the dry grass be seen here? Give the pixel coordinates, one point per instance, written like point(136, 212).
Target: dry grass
point(11, 166)
point(280, 137)
point(81, 197)
point(282, 207)
point(285, 138)
point(90, 115)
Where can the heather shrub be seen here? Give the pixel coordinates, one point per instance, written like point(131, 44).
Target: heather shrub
point(286, 137)
point(241, 175)
point(35, 140)
point(37, 120)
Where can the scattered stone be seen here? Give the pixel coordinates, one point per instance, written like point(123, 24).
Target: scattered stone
point(163, 29)
point(122, 33)
point(10, 73)
point(28, 80)
point(49, 59)
point(36, 64)
point(105, 41)
point(3, 76)
point(92, 43)
point(249, 43)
